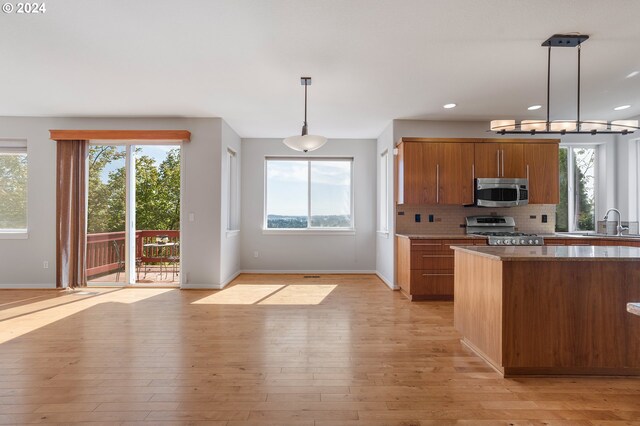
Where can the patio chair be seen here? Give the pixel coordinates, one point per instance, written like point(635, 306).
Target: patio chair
point(174, 260)
point(120, 262)
point(119, 259)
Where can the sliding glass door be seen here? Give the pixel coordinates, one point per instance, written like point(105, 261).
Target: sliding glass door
point(133, 225)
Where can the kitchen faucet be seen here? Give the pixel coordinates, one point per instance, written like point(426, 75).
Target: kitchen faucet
point(619, 228)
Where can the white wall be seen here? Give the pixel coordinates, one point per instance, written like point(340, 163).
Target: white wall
point(21, 260)
point(627, 176)
point(229, 241)
point(385, 243)
point(308, 253)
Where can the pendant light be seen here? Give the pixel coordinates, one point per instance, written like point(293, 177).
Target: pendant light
point(305, 142)
point(562, 127)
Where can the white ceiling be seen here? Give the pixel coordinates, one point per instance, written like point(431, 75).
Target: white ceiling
point(371, 61)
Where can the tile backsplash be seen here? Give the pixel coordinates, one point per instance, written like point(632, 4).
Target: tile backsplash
point(448, 219)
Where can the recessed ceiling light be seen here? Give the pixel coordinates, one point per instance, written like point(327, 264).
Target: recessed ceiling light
point(621, 107)
point(633, 74)
point(534, 107)
point(449, 106)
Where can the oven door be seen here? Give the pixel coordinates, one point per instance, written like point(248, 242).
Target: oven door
point(501, 194)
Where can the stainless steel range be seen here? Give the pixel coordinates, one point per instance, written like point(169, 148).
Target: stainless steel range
point(500, 231)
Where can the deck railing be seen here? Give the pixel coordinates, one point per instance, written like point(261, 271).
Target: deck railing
point(104, 258)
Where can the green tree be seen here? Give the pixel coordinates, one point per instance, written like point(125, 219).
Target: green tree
point(98, 210)
point(562, 210)
point(584, 163)
point(157, 192)
point(13, 191)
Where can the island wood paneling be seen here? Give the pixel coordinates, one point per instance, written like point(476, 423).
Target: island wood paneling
point(556, 317)
point(478, 305)
point(569, 316)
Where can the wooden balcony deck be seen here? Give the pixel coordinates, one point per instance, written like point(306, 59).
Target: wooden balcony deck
point(106, 254)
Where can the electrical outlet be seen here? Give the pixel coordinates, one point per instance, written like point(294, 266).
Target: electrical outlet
point(45, 264)
point(256, 254)
point(192, 217)
point(417, 217)
point(544, 218)
point(430, 218)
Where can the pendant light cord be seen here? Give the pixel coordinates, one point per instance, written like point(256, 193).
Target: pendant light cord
point(578, 107)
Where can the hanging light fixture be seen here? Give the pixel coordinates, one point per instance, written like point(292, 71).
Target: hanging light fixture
point(305, 142)
point(562, 127)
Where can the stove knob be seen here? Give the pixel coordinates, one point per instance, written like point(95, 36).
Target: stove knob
point(499, 242)
point(530, 241)
point(537, 241)
point(514, 241)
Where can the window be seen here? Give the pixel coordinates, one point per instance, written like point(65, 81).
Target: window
point(13, 187)
point(233, 222)
point(578, 182)
point(308, 194)
point(383, 198)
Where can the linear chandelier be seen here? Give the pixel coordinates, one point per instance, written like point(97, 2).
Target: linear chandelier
point(562, 127)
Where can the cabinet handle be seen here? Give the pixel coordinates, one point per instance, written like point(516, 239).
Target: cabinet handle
point(437, 275)
point(473, 186)
point(435, 255)
point(426, 244)
point(503, 163)
point(527, 172)
point(498, 161)
point(437, 183)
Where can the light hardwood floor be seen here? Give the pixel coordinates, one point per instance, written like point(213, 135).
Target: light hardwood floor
point(269, 350)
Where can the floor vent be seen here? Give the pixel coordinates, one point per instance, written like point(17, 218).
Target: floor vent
point(312, 276)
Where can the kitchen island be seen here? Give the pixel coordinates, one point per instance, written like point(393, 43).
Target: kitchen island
point(550, 310)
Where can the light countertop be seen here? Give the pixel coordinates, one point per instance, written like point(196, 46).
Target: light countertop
point(557, 253)
point(634, 308)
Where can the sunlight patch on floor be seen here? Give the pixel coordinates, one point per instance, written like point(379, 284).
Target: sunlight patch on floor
point(24, 319)
point(300, 295)
point(269, 294)
point(242, 294)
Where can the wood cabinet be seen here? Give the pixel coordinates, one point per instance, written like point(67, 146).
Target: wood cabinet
point(425, 267)
point(541, 163)
point(500, 160)
point(442, 171)
point(435, 173)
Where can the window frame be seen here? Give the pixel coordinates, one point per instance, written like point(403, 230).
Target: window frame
point(383, 195)
point(571, 208)
point(310, 230)
point(233, 192)
point(17, 146)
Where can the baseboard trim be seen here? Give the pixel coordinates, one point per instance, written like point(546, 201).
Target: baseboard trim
point(29, 286)
point(228, 280)
point(200, 286)
point(389, 284)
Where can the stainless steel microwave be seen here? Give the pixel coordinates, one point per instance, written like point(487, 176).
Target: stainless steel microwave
point(501, 192)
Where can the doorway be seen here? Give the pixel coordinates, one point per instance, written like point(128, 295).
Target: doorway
point(133, 226)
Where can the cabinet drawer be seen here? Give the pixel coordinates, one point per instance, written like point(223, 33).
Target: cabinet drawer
point(438, 245)
point(428, 283)
point(435, 261)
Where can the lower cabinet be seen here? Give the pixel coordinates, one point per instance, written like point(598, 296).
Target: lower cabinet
point(425, 267)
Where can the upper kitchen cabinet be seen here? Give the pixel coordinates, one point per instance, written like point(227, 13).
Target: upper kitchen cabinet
point(435, 173)
point(417, 175)
point(541, 163)
point(500, 160)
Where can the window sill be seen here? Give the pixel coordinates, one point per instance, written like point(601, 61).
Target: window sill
point(351, 231)
point(383, 234)
point(14, 235)
point(232, 232)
